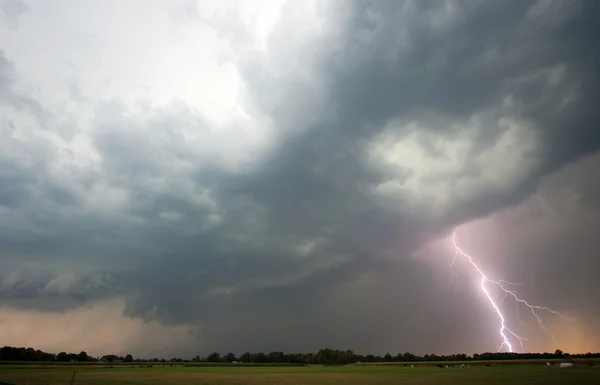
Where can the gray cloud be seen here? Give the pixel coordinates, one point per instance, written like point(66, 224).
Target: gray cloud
point(248, 244)
point(12, 10)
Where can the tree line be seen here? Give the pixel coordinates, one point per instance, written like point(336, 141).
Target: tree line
point(11, 353)
point(342, 357)
point(323, 357)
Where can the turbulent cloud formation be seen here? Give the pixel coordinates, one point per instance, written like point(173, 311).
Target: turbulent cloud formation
point(246, 177)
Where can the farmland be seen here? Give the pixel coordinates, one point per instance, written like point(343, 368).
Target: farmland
point(515, 373)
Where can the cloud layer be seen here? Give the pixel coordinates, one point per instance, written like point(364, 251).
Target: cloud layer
point(267, 177)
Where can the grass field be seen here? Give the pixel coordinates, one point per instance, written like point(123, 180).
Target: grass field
point(529, 374)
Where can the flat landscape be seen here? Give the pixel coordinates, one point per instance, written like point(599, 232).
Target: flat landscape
point(514, 374)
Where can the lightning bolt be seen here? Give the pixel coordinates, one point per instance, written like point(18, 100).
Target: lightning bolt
point(504, 330)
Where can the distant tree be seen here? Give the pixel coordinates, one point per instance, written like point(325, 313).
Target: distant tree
point(229, 357)
point(245, 357)
point(260, 357)
point(408, 357)
point(350, 356)
point(128, 358)
point(82, 356)
point(309, 358)
point(110, 358)
point(213, 357)
point(558, 353)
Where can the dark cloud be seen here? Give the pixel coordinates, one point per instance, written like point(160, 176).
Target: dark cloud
point(6, 73)
point(388, 60)
point(47, 291)
point(296, 239)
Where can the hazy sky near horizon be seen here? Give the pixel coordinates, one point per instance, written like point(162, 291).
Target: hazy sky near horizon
point(179, 177)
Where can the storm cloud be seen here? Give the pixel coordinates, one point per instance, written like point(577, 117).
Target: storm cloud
point(274, 176)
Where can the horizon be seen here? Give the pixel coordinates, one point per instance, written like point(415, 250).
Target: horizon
point(558, 354)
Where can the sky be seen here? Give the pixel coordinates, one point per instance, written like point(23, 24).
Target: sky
point(179, 177)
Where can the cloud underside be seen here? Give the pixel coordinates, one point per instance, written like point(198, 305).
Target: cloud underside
point(366, 131)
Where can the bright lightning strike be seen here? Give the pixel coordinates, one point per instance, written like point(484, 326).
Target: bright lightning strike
point(504, 330)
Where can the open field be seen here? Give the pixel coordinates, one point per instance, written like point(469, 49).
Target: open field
point(532, 374)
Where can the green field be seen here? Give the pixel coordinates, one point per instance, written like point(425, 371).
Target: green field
point(526, 374)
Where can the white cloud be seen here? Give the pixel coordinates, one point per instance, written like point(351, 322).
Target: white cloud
point(146, 59)
point(436, 164)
